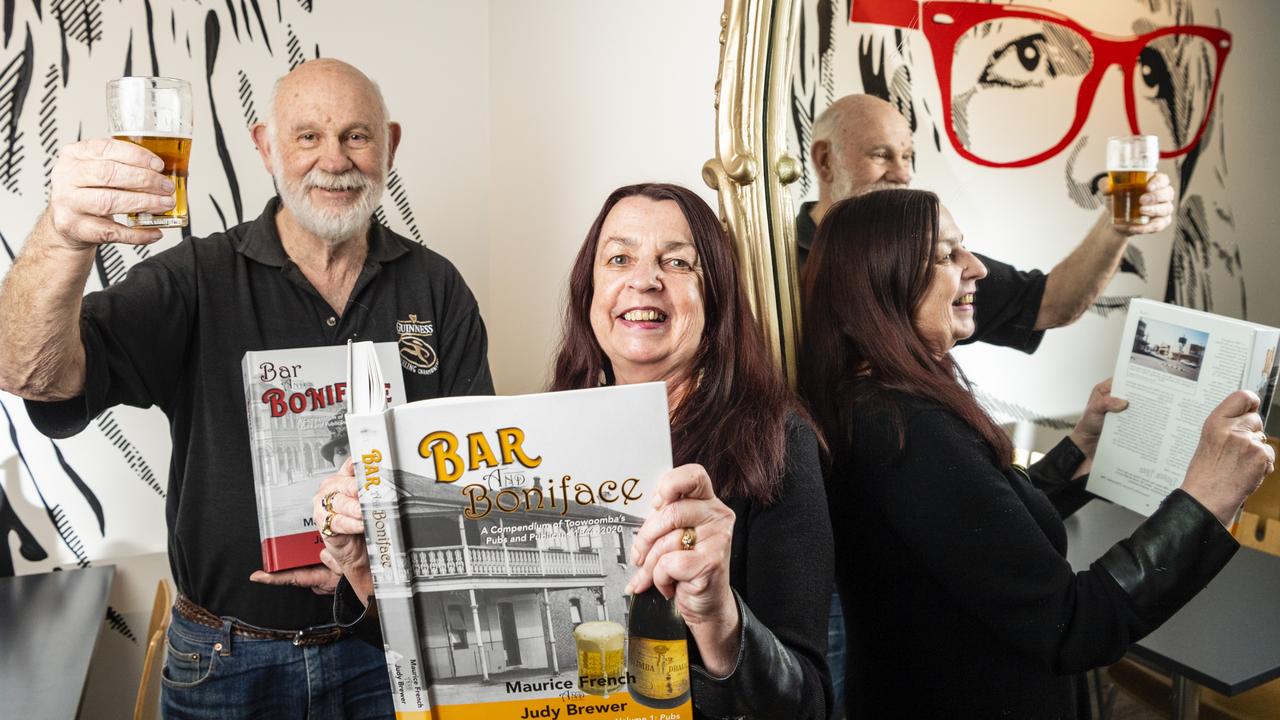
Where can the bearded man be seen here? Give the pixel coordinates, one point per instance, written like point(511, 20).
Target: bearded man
point(311, 270)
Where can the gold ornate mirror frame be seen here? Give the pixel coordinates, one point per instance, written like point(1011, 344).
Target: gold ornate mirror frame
point(751, 168)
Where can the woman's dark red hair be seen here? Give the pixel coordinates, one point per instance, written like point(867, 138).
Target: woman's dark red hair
point(733, 419)
point(869, 268)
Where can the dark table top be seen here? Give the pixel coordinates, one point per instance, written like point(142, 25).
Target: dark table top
point(49, 625)
point(1228, 637)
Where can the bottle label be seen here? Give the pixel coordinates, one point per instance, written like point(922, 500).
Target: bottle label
point(660, 667)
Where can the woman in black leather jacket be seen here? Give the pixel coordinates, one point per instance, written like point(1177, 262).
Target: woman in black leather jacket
point(958, 597)
point(655, 295)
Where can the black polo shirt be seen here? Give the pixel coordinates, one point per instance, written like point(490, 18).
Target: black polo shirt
point(1007, 304)
point(172, 334)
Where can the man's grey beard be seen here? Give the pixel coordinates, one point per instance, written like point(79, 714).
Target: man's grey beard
point(842, 185)
point(338, 225)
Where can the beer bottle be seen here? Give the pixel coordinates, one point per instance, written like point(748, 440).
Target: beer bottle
point(658, 651)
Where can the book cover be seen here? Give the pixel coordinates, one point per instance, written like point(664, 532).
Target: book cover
point(516, 518)
point(1175, 365)
point(295, 400)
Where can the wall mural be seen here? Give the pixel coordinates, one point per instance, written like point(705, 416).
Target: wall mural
point(100, 496)
point(1010, 113)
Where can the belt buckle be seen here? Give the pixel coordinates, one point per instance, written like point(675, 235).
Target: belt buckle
point(298, 637)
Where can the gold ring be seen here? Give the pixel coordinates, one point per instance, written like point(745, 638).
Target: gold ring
point(688, 538)
point(326, 530)
point(327, 502)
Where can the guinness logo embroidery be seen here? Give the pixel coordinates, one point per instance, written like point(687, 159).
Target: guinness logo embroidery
point(416, 354)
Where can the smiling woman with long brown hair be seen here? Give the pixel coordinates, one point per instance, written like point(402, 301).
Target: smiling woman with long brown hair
point(958, 598)
point(655, 295)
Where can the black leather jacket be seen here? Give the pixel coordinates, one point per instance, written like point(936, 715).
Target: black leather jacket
point(766, 682)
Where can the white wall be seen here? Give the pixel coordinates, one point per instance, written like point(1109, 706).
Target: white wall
point(1253, 158)
point(585, 97)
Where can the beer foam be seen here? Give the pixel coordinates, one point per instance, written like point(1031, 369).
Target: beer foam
point(125, 134)
point(599, 631)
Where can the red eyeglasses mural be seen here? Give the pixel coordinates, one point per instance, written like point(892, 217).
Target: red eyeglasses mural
point(1018, 83)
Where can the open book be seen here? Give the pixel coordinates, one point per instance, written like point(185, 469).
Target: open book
point(499, 530)
point(1175, 366)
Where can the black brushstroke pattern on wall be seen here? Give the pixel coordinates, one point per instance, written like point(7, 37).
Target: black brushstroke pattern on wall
point(28, 546)
point(110, 265)
point(1105, 305)
point(257, 11)
point(111, 431)
point(68, 535)
point(1013, 411)
point(246, 100)
point(83, 20)
point(116, 622)
point(90, 498)
point(235, 24)
point(56, 517)
point(65, 57)
point(212, 32)
point(7, 249)
point(396, 190)
point(218, 209)
point(15, 81)
point(49, 122)
point(151, 38)
point(8, 22)
point(872, 68)
point(248, 27)
point(36, 4)
point(295, 49)
point(802, 116)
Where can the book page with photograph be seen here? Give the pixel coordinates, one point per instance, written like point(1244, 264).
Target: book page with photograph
point(1174, 366)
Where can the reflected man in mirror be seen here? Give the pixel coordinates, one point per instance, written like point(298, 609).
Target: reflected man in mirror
point(862, 143)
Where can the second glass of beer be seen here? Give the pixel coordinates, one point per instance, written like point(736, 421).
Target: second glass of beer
point(600, 652)
point(155, 112)
point(1131, 161)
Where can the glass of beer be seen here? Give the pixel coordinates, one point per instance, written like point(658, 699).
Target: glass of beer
point(1131, 161)
point(600, 654)
point(155, 112)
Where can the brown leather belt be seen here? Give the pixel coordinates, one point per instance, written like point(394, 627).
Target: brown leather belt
point(310, 636)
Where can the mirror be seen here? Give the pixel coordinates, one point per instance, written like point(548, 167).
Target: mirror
point(1009, 111)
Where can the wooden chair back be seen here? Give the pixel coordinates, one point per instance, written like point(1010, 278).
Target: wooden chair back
point(147, 704)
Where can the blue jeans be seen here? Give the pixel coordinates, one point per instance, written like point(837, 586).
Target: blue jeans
point(248, 678)
point(835, 653)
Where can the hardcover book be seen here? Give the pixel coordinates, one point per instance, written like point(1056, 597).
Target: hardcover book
point(499, 530)
point(296, 403)
point(1174, 367)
